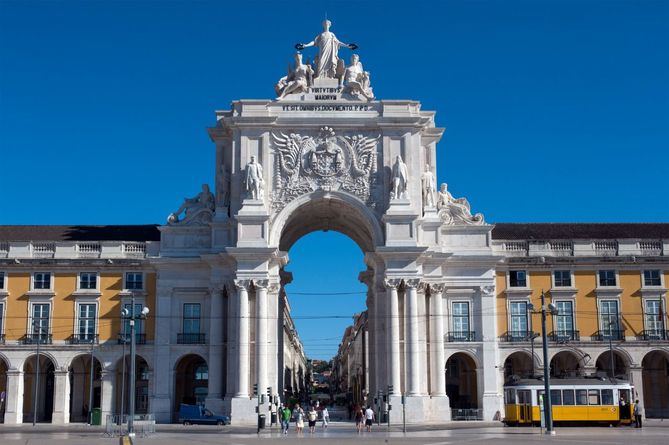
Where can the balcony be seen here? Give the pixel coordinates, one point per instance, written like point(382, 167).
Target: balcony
point(2, 339)
point(33, 339)
point(190, 339)
point(140, 339)
point(460, 336)
point(654, 335)
point(564, 336)
point(614, 335)
point(84, 339)
point(518, 336)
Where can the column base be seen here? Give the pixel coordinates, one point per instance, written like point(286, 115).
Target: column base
point(242, 410)
point(420, 409)
point(215, 405)
point(493, 407)
point(161, 407)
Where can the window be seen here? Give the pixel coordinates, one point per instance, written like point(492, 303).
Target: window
point(562, 278)
point(517, 278)
point(461, 317)
point(593, 397)
point(568, 397)
point(609, 317)
point(651, 278)
point(607, 397)
point(510, 396)
point(87, 321)
point(42, 280)
point(607, 278)
point(2, 280)
point(40, 320)
point(653, 316)
point(518, 318)
point(88, 280)
point(134, 281)
point(556, 397)
point(202, 373)
point(191, 318)
point(581, 396)
point(139, 322)
point(564, 320)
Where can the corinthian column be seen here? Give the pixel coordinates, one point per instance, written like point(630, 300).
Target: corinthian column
point(261, 334)
point(437, 363)
point(394, 336)
point(411, 322)
point(243, 338)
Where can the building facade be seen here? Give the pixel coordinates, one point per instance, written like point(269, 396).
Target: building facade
point(448, 315)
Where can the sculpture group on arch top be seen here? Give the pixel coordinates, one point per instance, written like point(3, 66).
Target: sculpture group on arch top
point(325, 159)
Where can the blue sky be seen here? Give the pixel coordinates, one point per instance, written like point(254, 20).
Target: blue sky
point(554, 110)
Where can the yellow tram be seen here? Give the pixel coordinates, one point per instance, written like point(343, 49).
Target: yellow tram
point(574, 400)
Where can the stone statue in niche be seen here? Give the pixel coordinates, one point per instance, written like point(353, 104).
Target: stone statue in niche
point(429, 183)
point(399, 179)
point(357, 80)
point(298, 80)
point(223, 188)
point(198, 209)
point(328, 62)
point(254, 179)
point(456, 211)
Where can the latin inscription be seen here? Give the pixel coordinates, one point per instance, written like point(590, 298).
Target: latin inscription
point(328, 107)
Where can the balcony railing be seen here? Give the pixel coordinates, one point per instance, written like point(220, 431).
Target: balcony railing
point(2, 339)
point(33, 339)
point(615, 335)
point(455, 336)
point(84, 339)
point(518, 336)
point(655, 334)
point(564, 336)
point(140, 339)
point(190, 339)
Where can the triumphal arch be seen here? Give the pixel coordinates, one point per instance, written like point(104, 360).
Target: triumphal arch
point(327, 154)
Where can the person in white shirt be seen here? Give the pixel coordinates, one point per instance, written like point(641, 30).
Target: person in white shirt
point(369, 418)
point(326, 417)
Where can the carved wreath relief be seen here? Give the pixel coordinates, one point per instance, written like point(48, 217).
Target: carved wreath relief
point(326, 161)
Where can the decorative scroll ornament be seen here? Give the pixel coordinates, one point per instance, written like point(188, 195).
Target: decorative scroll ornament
point(198, 210)
point(456, 211)
point(326, 161)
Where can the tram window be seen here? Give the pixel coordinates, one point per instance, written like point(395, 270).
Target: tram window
point(510, 396)
point(556, 397)
point(568, 397)
point(607, 397)
point(581, 396)
point(593, 397)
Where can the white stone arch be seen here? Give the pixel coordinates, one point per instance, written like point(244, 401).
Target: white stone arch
point(471, 354)
point(578, 354)
point(506, 353)
point(180, 357)
point(624, 355)
point(8, 362)
point(350, 224)
point(31, 356)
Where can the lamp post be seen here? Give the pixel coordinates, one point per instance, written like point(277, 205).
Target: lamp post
point(36, 327)
point(90, 386)
point(530, 309)
point(613, 362)
point(548, 412)
point(131, 316)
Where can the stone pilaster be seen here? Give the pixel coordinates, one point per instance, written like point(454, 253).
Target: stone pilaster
point(261, 349)
point(107, 392)
point(14, 397)
point(411, 323)
point(393, 345)
point(243, 338)
point(214, 397)
point(61, 397)
point(437, 360)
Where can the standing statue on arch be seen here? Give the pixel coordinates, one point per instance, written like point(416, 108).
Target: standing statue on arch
point(327, 62)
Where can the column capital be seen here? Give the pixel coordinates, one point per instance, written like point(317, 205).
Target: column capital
point(392, 283)
point(242, 284)
point(437, 288)
point(261, 284)
point(412, 283)
point(487, 291)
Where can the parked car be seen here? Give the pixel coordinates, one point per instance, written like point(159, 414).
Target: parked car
point(197, 414)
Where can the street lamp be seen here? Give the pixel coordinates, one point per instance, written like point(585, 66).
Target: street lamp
point(613, 363)
point(131, 317)
point(548, 412)
point(37, 326)
point(530, 308)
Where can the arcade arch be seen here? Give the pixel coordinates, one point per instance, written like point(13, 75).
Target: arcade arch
point(462, 381)
point(3, 388)
point(122, 387)
point(80, 387)
point(45, 389)
point(191, 381)
point(621, 364)
point(655, 377)
point(565, 364)
point(518, 365)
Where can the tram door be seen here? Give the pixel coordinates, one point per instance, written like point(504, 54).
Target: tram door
point(624, 404)
point(525, 406)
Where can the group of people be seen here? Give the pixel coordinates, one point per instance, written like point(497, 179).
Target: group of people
point(311, 416)
point(364, 418)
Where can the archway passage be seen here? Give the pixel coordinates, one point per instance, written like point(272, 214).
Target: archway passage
point(42, 411)
point(620, 365)
point(122, 391)
point(3, 389)
point(191, 381)
point(655, 376)
point(80, 387)
point(518, 365)
point(565, 364)
point(461, 382)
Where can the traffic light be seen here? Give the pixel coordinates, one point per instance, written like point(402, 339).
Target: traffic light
point(390, 389)
point(269, 393)
point(255, 389)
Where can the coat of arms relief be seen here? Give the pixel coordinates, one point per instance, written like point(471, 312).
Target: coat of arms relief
point(325, 161)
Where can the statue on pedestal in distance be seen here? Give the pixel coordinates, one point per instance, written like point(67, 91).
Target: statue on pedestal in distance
point(399, 179)
point(357, 79)
point(254, 179)
point(195, 207)
point(327, 62)
point(298, 80)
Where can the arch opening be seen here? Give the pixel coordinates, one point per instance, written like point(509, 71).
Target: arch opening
point(620, 365)
point(122, 388)
point(42, 410)
point(655, 377)
point(3, 388)
point(191, 381)
point(462, 382)
point(80, 387)
point(518, 366)
point(565, 364)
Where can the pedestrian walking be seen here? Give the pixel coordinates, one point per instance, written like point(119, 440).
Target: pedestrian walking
point(638, 413)
point(299, 419)
point(312, 416)
point(326, 417)
point(285, 419)
point(359, 419)
point(369, 418)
